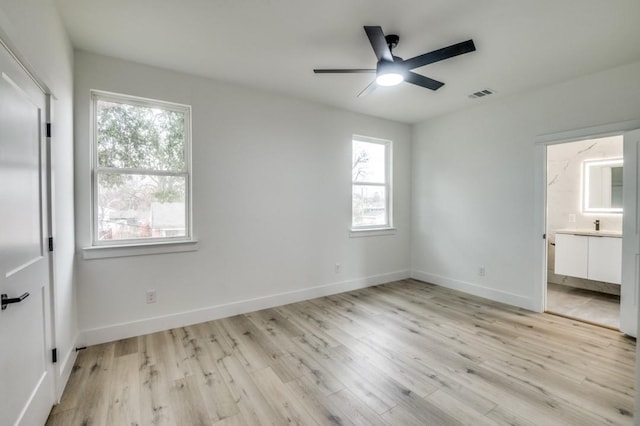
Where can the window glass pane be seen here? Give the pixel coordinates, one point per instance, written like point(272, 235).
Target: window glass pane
point(137, 137)
point(140, 206)
point(369, 205)
point(368, 162)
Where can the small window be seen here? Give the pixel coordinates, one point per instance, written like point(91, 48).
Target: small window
point(371, 184)
point(141, 176)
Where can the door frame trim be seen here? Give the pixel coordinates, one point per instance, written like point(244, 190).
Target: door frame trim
point(5, 42)
point(540, 192)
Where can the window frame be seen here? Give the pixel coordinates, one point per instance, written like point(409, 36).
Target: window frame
point(155, 244)
point(366, 230)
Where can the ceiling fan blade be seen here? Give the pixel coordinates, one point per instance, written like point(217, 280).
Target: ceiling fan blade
point(379, 43)
point(344, 71)
point(422, 81)
point(440, 54)
point(368, 90)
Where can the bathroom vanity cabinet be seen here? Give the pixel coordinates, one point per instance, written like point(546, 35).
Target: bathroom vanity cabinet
point(594, 255)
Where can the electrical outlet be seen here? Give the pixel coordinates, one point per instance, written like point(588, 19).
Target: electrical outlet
point(481, 271)
point(572, 218)
point(151, 296)
point(338, 267)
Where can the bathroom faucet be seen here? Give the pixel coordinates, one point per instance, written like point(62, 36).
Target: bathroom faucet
point(597, 223)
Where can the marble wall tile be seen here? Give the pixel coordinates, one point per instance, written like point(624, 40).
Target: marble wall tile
point(564, 181)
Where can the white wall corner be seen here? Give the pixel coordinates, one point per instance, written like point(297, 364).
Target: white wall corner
point(141, 327)
point(477, 290)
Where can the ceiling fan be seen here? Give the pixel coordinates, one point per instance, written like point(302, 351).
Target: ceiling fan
point(392, 70)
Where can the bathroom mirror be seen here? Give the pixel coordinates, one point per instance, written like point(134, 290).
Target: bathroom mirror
point(602, 190)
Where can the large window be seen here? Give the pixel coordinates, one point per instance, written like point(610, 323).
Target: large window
point(371, 184)
point(141, 179)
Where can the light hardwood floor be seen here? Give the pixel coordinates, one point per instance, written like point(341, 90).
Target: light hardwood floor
point(403, 353)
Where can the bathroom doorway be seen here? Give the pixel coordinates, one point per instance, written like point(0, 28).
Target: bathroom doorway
point(584, 227)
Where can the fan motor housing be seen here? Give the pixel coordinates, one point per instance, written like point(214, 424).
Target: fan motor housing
point(392, 40)
point(385, 67)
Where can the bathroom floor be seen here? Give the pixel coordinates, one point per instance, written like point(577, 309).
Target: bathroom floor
point(586, 305)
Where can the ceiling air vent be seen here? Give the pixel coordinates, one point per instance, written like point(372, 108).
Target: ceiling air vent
point(481, 93)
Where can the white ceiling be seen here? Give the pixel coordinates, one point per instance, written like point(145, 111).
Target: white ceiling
point(275, 44)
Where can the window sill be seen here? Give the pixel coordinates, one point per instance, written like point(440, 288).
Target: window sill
point(103, 252)
point(371, 232)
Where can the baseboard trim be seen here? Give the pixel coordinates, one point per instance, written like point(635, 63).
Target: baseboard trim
point(66, 366)
point(151, 325)
point(475, 289)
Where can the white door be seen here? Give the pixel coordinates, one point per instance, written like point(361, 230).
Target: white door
point(630, 235)
point(26, 373)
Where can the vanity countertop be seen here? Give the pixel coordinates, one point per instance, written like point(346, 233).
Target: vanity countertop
point(590, 232)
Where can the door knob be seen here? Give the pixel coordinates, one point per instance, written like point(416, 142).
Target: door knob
point(4, 299)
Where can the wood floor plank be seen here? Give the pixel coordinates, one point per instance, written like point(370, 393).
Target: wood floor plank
point(277, 328)
point(316, 404)
point(126, 347)
point(391, 388)
point(289, 366)
point(61, 418)
point(236, 420)
point(405, 353)
point(312, 326)
point(251, 402)
point(360, 386)
point(325, 381)
point(124, 390)
point(531, 397)
point(215, 393)
point(440, 378)
point(353, 410)
point(504, 416)
point(155, 402)
point(214, 342)
point(404, 373)
point(172, 355)
point(243, 343)
point(281, 398)
point(93, 404)
point(187, 403)
point(403, 415)
point(601, 402)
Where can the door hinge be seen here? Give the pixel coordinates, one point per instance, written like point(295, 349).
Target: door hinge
point(54, 355)
point(50, 243)
point(48, 130)
point(544, 236)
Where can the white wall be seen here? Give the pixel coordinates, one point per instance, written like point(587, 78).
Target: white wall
point(474, 182)
point(271, 206)
point(33, 29)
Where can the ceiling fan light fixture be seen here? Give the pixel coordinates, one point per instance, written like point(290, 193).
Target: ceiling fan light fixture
point(389, 79)
point(389, 73)
point(392, 70)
